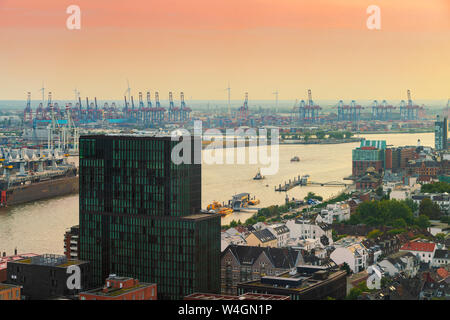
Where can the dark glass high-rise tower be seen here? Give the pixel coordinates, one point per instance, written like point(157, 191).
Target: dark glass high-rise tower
point(139, 215)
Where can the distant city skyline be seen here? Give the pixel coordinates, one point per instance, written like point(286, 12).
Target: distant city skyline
point(200, 46)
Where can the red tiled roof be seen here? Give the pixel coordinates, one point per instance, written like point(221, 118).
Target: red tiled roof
point(442, 273)
point(418, 246)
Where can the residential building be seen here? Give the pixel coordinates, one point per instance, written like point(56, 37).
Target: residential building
point(401, 262)
point(301, 283)
point(337, 212)
point(350, 250)
point(423, 250)
point(441, 258)
point(71, 242)
point(262, 238)
point(309, 229)
point(9, 292)
point(245, 263)
point(122, 288)
point(139, 214)
point(46, 276)
point(281, 232)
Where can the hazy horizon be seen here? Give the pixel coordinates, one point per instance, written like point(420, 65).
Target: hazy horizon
point(199, 46)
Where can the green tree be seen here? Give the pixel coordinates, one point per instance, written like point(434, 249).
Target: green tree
point(440, 237)
point(411, 204)
point(430, 209)
point(320, 134)
point(422, 221)
point(374, 233)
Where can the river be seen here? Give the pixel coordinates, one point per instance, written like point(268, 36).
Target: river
point(39, 227)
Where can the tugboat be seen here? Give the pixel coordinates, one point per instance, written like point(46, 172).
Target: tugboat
point(258, 176)
point(295, 159)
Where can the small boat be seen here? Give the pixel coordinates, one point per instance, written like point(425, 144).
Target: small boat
point(258, 176)
point(295, 159)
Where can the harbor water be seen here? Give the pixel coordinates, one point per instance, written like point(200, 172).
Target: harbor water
point(39, 227)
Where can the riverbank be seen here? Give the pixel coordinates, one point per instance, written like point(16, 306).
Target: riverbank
point(321, 141)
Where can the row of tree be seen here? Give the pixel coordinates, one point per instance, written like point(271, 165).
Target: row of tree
point(393, 213)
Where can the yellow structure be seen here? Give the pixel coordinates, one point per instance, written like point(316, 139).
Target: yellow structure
point(262, 238)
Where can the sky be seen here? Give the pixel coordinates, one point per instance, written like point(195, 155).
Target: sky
point(199, 46)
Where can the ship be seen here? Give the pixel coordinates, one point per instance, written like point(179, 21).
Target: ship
point(295, 159)
point(26, 179)
point(258, 176)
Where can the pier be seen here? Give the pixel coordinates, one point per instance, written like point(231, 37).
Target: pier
point(303, 181)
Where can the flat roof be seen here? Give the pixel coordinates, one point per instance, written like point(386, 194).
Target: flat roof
point(115, 292)
point(307, 282)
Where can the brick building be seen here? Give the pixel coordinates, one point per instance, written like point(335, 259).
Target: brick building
point(245, 263)
point(122, 288)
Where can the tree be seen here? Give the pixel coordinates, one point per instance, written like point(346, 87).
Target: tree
point(374, 233)
point(440, 237)
point(430, 209)
point(411, 204)
point(346, 267)
point(423, 221)
point(399, 223)
point(320, 134)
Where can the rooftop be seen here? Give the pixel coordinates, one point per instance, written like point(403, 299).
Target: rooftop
point(295, 282)
point(419, 246)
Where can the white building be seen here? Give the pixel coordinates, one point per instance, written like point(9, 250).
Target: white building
point(336, 212)
point(404, 262)
point(441, 258)
point(281, 232)
point(351, 251)
point(423, 250)
point(374, 279)
point(306, 229)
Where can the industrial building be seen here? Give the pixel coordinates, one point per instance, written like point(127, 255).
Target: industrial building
point(139, 215)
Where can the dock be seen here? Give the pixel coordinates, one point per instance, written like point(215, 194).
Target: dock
point(303, 181)
point(298, 181)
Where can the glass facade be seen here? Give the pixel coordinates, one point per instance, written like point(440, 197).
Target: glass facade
point(139, 216)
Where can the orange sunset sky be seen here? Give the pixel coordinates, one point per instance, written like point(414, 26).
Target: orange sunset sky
point(197, 46)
